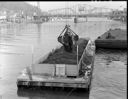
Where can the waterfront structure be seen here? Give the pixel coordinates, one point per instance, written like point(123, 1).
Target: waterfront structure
point(3, 16)
point(120, 15)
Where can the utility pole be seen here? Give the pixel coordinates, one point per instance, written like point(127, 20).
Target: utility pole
point(38, 4)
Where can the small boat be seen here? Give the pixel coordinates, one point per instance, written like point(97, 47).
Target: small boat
point(116, 38)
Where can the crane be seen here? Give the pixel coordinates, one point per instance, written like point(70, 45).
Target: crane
point(67, 37)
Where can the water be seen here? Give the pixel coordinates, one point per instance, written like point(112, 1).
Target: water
point(17, 40)
point(109, 75)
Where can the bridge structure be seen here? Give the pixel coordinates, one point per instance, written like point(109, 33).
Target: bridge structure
point(119, 15)
point(80, 10)
point(84, 11)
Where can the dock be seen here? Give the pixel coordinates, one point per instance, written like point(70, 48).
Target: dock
point(108, 81)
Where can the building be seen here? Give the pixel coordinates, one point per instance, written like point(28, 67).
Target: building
point(3, 15)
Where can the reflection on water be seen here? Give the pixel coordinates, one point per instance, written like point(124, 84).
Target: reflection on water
point(39, 32)
point(110, 55)
point(109, 74)
point(16, 43)
point(54, 93)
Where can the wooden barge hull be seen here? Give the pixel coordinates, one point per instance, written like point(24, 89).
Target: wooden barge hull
point(44, 75)
point(120, 44)
point(53, 82)
point(116, 38)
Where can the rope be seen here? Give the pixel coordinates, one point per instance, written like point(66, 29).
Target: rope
point(69, 93)
point(67, 7)
point(72, 31)
point(69, 29)
point(65, 12)
point(62, 31)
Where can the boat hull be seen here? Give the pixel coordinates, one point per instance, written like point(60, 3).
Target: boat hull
point(116, 38)
point(55, 82)
point(49, 75)
point(119, 44)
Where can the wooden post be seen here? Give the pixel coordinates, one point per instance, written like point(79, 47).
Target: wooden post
point(77, 54)
point(32, 53)
point(28, 69)
point(77, 60)
point(29, 73)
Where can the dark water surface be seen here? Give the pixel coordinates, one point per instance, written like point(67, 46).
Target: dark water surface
point(17, 41)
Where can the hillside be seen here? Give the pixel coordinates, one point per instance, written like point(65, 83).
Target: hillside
point(19, 6)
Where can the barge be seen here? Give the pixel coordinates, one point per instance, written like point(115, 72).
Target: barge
point(60, 71)
point(116, 38)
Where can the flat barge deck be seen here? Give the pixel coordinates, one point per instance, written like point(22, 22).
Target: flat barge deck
point(57, 74)
point(116, 38)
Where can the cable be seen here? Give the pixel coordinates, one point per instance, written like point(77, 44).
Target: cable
point(69, 93)
point(72, 31)
point(65, 13)
point(62, 31)
point(67, 8)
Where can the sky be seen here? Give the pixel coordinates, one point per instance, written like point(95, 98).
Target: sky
point(49, 5)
